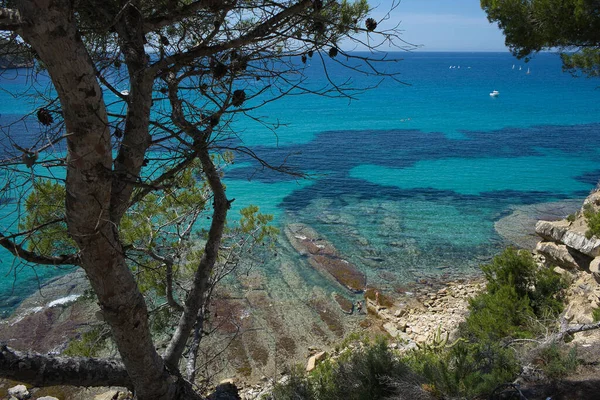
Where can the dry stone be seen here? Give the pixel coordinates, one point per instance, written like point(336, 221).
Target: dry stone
point(314, 360)
point(559, 231)
point(561, 255)
point(19, 392)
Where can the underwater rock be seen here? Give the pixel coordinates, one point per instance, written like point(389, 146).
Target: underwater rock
point(324, 257)
point(346, 305)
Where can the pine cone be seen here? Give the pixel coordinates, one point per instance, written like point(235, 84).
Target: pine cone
point(44, 116)
point(239, 96)
point(371, 24)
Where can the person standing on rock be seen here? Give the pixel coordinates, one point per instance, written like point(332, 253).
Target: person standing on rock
point(359, 307)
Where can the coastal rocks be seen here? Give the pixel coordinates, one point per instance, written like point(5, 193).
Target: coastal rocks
point(518, 227)
point(324, 257)
point(345, 305)
point(314, 360)
point(19, 392)
point(430, 314)
point(563, 256)
point(49, 329)
point(561, 232)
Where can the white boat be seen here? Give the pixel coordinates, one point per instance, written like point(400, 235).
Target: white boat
point(495, 93)
point(513, 66)
point(519, 67)
point(528, 71)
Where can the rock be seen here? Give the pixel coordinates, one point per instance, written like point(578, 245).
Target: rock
point(47, 398)
point(110, 395)
point(391, 329)
point(595, 266)
point(559, 271)
point(225, 391)
point(563, 256)
point(324, 257)
point(346, 305)
point(19, 392)
point(400, 312)
point(593, 200)
point(314, 360)
point(559, 231)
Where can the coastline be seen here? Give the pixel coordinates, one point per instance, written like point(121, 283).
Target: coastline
point(281, 317)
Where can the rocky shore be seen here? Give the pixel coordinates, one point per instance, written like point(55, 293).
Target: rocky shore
point(265, 321)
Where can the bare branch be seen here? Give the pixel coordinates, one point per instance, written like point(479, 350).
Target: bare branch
point(46, 370)
point(261, 31)
point(156, 22)
point(18, 251)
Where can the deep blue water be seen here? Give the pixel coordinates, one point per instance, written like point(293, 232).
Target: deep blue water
point(411, 176)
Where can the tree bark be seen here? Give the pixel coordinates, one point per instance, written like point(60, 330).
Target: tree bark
point(44, 370)
point(52, 32)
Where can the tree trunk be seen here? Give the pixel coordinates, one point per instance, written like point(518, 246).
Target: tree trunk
point(52, 32)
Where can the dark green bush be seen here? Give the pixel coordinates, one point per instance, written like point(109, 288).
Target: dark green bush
point(497, 315)
point(556, 361)
point(465, 369)
point(367, 373)
point(519, 293)
point(593, 222)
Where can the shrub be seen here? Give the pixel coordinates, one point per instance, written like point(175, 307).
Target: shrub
point(369, 372)
point(465, 369)
point(497, 315)
point(518, 293)
point(593, 222)
point(556, 361)
point(89, 344)
point(596, 314)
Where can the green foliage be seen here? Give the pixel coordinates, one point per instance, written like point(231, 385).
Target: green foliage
point(369, 372)
point(45, 204)
point(587, 61)
point(252, 222)
point(556, 361)
point(89, 344)
point(592, 219)
point(571, 217)
point(596, 314)
point(498, 315)
point(531, 26)
point(514, 275)
point(465, 369)
point(518, 299)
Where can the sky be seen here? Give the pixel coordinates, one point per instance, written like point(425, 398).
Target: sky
point(442, 25)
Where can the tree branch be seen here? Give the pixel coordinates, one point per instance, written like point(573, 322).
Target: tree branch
point(153, 23)
point(18, 251)
point(45, 370)
point(262, 30)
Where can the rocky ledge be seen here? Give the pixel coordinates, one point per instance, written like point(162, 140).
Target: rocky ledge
point(565, 243)
point(325, 258)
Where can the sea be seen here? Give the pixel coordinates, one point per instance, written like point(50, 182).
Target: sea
point(410, 179)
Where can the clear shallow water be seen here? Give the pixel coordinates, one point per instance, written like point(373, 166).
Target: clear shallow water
point(408, 181)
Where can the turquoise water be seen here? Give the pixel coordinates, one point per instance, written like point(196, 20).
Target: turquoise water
point(408, 180)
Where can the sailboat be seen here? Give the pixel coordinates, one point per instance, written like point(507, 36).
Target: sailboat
point(528, 71)
point(519, 67)
point(513, 66)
